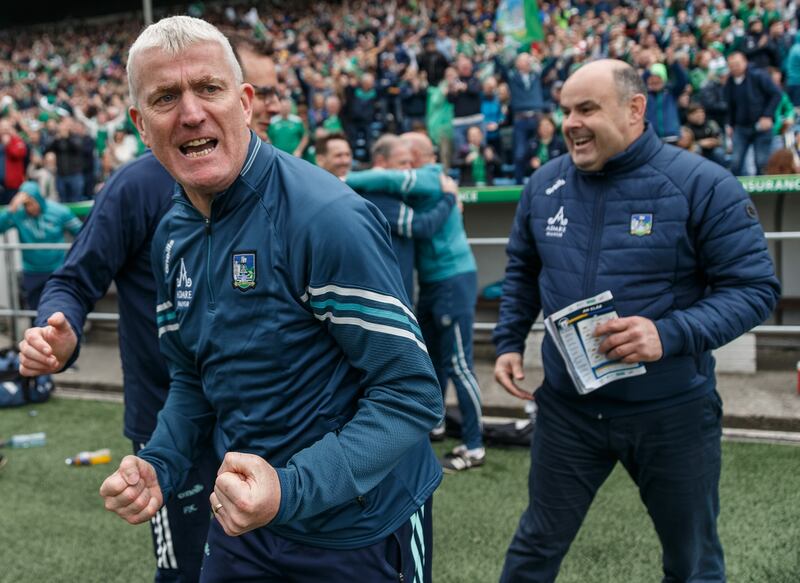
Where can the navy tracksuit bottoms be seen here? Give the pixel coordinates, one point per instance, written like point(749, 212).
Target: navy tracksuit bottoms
point(261, 556)
point(672, 454)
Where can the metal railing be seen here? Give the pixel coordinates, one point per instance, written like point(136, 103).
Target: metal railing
point(15, 311)
point(779, 236)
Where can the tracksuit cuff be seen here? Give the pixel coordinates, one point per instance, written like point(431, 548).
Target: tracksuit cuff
point(506, 345)
point(162, 475)
point(289, 498)
point(671, 335)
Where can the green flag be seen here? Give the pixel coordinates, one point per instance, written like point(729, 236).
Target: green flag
point(533, 25)
point(520, 19)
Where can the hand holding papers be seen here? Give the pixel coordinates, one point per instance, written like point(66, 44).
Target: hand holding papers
point(572, 330)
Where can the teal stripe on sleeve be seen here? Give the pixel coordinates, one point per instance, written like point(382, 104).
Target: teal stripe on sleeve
point(166, 317)
point(376, 312)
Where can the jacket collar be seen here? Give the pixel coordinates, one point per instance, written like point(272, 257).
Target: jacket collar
point(639, 152)
point(252, 173)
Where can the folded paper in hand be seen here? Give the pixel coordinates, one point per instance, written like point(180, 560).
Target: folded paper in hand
point(572, 330)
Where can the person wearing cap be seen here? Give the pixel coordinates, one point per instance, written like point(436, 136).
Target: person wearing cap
point(38, 221)
point(662, 98)
point(717, 64)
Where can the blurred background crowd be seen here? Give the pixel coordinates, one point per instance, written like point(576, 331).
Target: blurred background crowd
point(723, 78)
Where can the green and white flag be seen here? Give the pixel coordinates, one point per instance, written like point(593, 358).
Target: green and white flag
point(520, 19)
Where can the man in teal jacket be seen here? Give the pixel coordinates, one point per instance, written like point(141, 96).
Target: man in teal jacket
point(38, 221)
point(448, 285)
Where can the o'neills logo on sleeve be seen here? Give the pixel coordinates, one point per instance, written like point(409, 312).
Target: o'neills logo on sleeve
point(556, 185)
point(168, 255)
point(557, 224)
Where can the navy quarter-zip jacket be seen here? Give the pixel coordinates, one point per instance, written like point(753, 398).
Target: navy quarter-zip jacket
point(700, 270)
point(288, 335)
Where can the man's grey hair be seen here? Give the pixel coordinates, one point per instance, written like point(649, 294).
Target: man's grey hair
point(629, 83)
point(384, 146)
point(174, 35)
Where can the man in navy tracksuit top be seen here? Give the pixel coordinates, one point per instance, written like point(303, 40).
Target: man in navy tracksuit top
point(114, 245)
point(288, 343)
point(677, 241)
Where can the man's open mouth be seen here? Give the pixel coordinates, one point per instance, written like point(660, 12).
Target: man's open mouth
point(199, 147)
point(581, 141)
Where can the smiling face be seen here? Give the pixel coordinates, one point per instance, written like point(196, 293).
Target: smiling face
point(194, 116)
point(338, 159)
point(597, 123)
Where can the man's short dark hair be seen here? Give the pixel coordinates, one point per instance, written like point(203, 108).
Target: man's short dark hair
point(321, 145)
point(242, 42)
point(695, 106)
point(628, 82)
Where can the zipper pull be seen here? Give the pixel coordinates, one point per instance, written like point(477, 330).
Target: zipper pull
point(208, 225)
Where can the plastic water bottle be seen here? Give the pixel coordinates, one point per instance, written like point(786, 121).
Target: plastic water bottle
point(90, 458)
point(25, 440)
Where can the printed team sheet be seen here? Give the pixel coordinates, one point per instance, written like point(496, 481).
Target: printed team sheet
point(572, 330)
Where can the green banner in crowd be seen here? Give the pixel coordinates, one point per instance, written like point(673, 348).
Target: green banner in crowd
point(533, 24)
point(789, 183)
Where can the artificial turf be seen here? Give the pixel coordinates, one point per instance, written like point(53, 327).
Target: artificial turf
point(53, 526)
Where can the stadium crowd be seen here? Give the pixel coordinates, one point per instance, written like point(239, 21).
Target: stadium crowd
point(347, 423)
point(367, 69)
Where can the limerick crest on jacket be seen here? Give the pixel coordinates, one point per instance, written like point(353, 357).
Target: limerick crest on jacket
point(244, 271)
point(641, 224)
